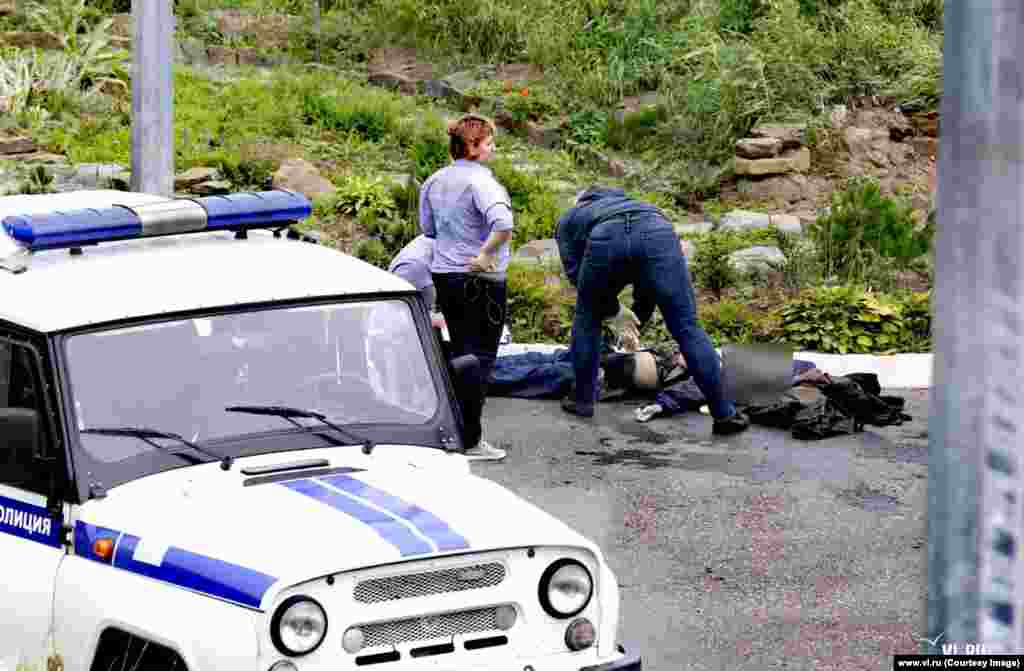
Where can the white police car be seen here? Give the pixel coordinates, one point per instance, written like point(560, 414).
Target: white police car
point(224, 448)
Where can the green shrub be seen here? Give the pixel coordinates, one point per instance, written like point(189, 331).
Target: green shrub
point(428, 155)
point(865, 235)
point(739, 16)
point(802, 266)
point(536, 207)
point(533, 103)
point(345, 116)
point(846, 319)
point(917, 315)
point(588, 126)
point(373, 251)
point(359, 194)
point(247, 174)
point(540, 304)
point(712, 268)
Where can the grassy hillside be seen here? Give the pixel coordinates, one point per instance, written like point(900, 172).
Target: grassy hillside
point(715, 67)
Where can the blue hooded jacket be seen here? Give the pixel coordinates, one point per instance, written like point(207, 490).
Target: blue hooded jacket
point(595, 206)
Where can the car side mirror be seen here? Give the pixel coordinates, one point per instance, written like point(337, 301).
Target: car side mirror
point(19, 437)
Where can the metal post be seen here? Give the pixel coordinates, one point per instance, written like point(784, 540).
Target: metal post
point(152, 98)
point(975, 500)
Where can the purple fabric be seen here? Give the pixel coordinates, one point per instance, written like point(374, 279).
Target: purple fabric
point(460, 205)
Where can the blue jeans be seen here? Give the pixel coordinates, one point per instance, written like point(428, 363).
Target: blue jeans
point(642, 250)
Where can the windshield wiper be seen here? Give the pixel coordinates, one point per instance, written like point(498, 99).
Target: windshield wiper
point(150, 435)
point(289, 413)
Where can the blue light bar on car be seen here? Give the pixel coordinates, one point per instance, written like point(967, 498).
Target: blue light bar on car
point(234, 212)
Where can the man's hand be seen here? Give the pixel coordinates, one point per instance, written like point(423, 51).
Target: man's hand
point(483, 263)
point(626, 328)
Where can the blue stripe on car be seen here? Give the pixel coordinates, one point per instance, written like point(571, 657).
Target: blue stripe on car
point(386, 526)
point(182, 568)
point(443, 536)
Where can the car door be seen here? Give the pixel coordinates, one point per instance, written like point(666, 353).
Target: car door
point(30, 537)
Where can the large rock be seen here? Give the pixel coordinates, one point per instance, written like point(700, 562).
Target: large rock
point(94, 175)
point(271, 31)
point(787, 223)
point(539, 251)
point(16, 145)
point(117, 88)
point(193, 176)
point(121, 25)
point(926, 123)
point(744, 220)
point(694, 228)
point(792, 136)
point(393, 81)
point(31, 40)
point(547, 137)
point(297, 174)
point(758, 147)
point(761, 258)
point(221, 56)
point(796, 160)
point(214, 188)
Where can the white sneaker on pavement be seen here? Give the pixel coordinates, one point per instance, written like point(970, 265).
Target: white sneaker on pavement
point(484, 451)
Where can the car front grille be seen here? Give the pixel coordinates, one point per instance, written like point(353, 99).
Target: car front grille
point(456, 579)
point(425, 627)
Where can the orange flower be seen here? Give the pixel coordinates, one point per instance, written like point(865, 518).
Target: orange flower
point(524, 92)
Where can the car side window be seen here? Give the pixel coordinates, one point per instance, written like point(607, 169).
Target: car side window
point(21, 395)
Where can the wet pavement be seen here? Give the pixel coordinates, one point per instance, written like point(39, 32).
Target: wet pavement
point(755, 551)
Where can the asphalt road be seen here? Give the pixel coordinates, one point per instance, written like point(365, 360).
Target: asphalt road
point(755, 551)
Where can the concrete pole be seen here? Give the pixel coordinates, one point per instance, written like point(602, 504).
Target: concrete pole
point(975, 520)
point(152, 98)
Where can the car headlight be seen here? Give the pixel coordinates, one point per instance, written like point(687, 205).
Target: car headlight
point(299, 626)
point(565, 588)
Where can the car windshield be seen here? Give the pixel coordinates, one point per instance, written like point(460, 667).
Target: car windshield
point(359, 363)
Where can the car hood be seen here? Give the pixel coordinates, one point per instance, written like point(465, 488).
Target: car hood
point(245, 537)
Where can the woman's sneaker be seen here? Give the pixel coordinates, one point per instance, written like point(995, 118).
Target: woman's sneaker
point(484, 451)
point(735, 423)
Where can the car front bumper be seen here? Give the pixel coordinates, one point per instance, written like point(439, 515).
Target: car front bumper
point(629, 661)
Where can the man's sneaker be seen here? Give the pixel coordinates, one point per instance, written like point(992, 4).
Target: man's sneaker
point(578, 409)
point(737, 423)
point(484, 451)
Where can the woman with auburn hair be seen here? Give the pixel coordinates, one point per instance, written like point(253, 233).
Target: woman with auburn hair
point(469, 216)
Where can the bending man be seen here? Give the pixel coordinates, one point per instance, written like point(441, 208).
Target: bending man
point(608, 241)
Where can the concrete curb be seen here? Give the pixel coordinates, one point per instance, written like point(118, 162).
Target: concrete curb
point(894, 371)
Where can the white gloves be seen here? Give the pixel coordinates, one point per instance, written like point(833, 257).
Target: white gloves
point(626, 328)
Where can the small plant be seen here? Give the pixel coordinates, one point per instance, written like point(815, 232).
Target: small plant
point(588, 127)
point(359, 194)
point(865, 232)
point(247, 173)
point(531, 103)
point(712, 268)
point(801, 267)
point(739, 16)
point(428, 155)
point(89, 45)
point(38, 180)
